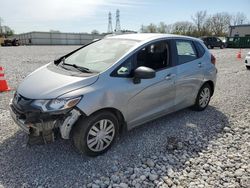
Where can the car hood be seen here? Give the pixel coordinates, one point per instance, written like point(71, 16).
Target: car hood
point(45, 83)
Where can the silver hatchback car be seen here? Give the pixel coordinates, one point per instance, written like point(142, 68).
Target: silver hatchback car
point(114, 84)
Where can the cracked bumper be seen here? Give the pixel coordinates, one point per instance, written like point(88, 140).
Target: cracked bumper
point(18, 121)
point(40, 122)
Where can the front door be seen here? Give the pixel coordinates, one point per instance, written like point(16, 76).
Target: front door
point(153, 97)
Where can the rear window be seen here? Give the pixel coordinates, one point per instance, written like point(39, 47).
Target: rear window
point(186, 51)
point(200, 49)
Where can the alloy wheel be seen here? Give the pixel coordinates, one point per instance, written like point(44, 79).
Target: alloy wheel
point(204, 97)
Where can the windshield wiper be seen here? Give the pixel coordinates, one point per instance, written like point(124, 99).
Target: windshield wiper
point(82, 69)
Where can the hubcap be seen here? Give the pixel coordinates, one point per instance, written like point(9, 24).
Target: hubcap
point(204, 97)
point(101, 135)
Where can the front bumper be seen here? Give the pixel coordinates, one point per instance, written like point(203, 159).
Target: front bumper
point(36, 123)
point(18, 121)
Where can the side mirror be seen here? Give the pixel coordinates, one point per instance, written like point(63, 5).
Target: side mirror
point(143, 73)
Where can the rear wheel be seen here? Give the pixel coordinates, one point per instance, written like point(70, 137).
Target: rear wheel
point(203, 97)
point(95, 134)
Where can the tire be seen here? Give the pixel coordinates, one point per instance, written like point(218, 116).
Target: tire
point(222, 46)
point(200, 104)
point(88, 136)
point(209, 46)
point(248, 67)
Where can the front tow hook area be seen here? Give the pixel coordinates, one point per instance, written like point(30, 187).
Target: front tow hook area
point(46, 137)
point(46, 132)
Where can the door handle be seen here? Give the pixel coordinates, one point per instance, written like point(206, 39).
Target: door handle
point(170, 76)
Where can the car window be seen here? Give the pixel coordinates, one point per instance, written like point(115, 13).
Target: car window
point(126, 68)
point(200, 49)
point(155, 56)
point(218, 40)
point(185, 51)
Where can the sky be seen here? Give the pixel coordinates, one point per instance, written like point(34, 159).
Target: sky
point(86, 15)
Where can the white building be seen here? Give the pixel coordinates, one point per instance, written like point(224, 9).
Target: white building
point(55, 38)
point(239, 30)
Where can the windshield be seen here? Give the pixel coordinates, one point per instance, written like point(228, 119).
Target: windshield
point(100, 55)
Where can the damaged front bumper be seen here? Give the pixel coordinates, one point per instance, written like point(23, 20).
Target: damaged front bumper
point(36, 123)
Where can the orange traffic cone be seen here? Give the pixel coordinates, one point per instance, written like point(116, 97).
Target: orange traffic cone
point(239, 54)
point(3, 83)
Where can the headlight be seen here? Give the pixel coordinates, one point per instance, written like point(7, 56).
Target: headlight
point(56, 104)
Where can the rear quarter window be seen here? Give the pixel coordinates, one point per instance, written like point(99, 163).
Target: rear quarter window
point(200, 49)
point(186, 51)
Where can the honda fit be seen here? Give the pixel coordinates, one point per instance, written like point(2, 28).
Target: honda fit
point(113, 84)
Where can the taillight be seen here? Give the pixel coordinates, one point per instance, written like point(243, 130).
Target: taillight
point(213, 59)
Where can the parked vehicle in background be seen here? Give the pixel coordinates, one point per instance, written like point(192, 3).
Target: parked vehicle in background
point(238, 42)
point(116, 83)
point(212, 42)
point(247, 60)
point(10, 42)
point(1, 40)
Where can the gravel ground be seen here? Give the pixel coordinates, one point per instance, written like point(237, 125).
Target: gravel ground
point(184, 149)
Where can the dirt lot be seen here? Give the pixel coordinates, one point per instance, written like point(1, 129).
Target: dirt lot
point(213, 148)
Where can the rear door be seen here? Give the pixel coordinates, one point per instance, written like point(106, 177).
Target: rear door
point(189, 73)
point(215, 42)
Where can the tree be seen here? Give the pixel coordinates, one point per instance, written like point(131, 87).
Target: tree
point(199, 20)
point(152, 28)
point(219, 23)
point(1, 21)
point(143, 29)
point(95, 32)
point(169, 28)
point(239, 18)
point(54, 31)
point(183, 28)
point(5, 30)
point(161, 27)
point(10, 33)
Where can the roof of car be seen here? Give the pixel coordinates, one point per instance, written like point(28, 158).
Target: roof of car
point(147, 36)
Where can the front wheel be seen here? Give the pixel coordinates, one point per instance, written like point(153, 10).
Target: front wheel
point(95, 134)
point(203, 97)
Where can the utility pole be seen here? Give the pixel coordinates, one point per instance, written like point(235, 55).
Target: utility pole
point(1, 20)
point(117, 25)
point(110, 29)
